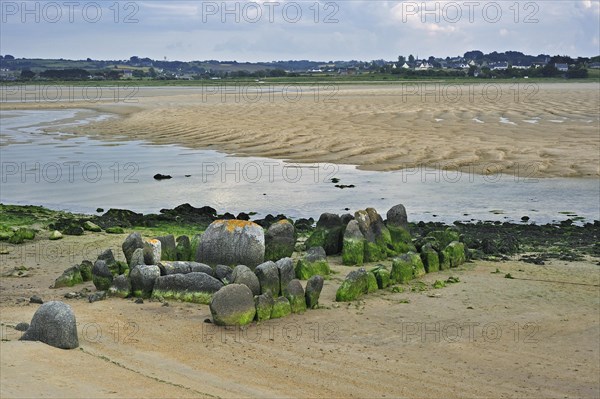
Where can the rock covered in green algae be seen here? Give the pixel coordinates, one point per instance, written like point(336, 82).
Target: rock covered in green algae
point(328, 234)
point(195, 287)
point(353, 248)
point(382, 275)
point(406, 267)
point(314, 285)
point(69, 277)
point(120, 287)
point(430, 258)
point(233, 305)
point(264, 306)
point(453, 255)
point(314, 262)
point(101, 275)
point(281, 308)
point(295, 294)
point(354, 286)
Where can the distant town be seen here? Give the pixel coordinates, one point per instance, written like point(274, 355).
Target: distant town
point(476, 64)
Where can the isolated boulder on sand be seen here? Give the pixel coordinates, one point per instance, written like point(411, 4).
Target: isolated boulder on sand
point(280, 240)
point(232, 242)
point(233, 305)
point(53, 324)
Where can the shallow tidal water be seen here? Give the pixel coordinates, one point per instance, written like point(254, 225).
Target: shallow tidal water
point(41, 165)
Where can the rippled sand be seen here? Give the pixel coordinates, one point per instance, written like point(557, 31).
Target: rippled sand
point(549, 129)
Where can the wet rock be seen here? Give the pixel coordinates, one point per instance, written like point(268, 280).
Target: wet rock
point(160, 176)
point(232, 242)
point(382, 276)
point(22, 326)
point(295, 294)
point(430, 258)
point(54, 324)
point(178, 267)
point(281, 308)
point(233, 305)
point(137, 259)
point(85, 268)
point(378, 240)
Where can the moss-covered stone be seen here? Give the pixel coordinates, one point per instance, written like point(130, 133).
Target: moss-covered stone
point(85, 268)
point(354, 286)
point(444, 237)
point(70, 277)
point(454, 254)
point(281, 308)
point(183, 249)
point(330, 239)
point(382, 275)
point(90, 226)
point(430, 258)
point(115, 230)
point(21, 235)
point(372, 285)
point(295, 294)
point(183, 296)
point(353, 251)
point(264, 306)
point(305, 269)
point(401, 240)
point(406, 267)
point(55, 235)
point(101, 283)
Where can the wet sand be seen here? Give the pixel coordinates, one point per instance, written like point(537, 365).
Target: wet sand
point(537, 129)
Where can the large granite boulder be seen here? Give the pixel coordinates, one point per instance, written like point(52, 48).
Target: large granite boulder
point(195, 287)
point(131, 243)
point(143, 279)
point(53, 324)
point(232, 242)
point(233, 305)
point(280, 240)
point(268, 277)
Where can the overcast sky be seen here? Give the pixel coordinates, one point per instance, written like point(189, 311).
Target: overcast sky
point(284, 30)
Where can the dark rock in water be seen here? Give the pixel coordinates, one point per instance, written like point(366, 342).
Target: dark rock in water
point(269, 220)
point(159, 176)
point(243, 216)
point(101, 275)
point(99, 210)
point(525, 218)
point(192, 287)
point(168, 247)
point(287, 273)
point(224, 273)
point(97, 296)
point(268, 277)
point(335, 180)
point(119, 217)
point(131, 243)
point(233, 305)
point(120, 287)
point(314, 262)
point(244, 275)
point(69, 278)
point(264, 306)
point(280, 240)
point(183, 249)
point(227, 216)
point(295, 294)
point(54, 324)
point(143, 279)
point(314, 285)
point(396, 216)
point(22, 326)
point(36, 299)
point(232, 242)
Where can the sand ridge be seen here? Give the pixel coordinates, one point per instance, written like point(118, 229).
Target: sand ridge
point(532, 130)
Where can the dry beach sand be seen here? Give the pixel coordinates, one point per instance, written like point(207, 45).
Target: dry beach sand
point(527, 129)
point(485, 337)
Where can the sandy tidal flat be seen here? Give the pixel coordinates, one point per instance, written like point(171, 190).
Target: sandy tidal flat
point(525, 129)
